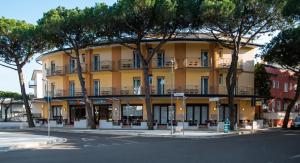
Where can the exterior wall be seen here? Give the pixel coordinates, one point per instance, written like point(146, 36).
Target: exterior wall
point(184, 77)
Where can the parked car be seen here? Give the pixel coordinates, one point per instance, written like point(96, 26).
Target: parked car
point(296, 123)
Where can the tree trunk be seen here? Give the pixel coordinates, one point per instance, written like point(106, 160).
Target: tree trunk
point(25, 97)
point(86, 99)
point(291, 104)
point(231, 84)
point(147, 96)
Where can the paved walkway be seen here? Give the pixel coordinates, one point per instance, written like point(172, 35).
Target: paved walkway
point(203, 133)
point(14, 141)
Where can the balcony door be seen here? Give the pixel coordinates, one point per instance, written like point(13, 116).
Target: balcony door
point(96, 63)
point(204, 85)
point(72, 65)
point(136, 60)
point(52, 90)
point(160, 85)
point(96, 88)
point(52, 67)
point(160, 59)
point(137, 85)
point(204, 58)
point(72, 88)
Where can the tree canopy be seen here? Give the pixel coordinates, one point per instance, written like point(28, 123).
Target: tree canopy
point(8, 94)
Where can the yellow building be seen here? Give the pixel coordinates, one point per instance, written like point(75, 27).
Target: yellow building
point(114, 81)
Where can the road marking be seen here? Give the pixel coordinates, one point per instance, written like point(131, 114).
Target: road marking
point(295, 156)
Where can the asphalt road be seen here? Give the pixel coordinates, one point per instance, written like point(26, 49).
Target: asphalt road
point(279, 146)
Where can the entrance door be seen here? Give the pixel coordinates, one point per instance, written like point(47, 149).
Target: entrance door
point(103, 112)
point(164, 115)
point(197, 114)
point(224, 112)
point(77, 112)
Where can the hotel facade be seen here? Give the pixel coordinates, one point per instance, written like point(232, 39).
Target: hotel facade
point(113, 78)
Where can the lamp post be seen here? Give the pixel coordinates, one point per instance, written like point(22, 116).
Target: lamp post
point(172, 92)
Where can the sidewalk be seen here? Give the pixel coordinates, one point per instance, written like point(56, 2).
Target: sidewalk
point(203, 133)
point(14, 141)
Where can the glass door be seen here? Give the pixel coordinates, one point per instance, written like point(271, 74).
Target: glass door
point(72, 65)
point(204, 59)
point(164, 115)
point(204, 85)
point(160, 59)
point(160, 85)
point(136, 60)
point(136, 86)
point(96, 63)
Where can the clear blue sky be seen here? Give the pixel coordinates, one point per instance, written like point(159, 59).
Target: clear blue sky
point(31, 11)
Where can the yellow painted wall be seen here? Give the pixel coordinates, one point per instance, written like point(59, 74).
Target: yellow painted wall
point(193, 50)
point(105, 53)
point(127, 78)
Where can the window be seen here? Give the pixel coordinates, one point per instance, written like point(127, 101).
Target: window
point(52, 67)
point(131, 114)
point(52, 93)
point(96, 87)
point(285, 105)
point(277, 84)
point(83, 58)
point(291, 86)
point(56, 113)
point(96, 63)
point(204, 85)
point(72, 65)
point(136, 85)
point(204, 58)
point(278, 105)
point(274, 84)
point(221, 53)
point(273, 105)
point(160, 85)
point(286, 87)
point(221, 79)
point(72, 88)
point(150, 80)
point(136, 60)
point(160, 59)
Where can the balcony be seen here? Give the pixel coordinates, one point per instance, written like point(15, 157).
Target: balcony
point(164, 90)
point(129, 64)
point(32, 84)
point(241, 90)
point(56, 93)
point(104, 91)
point(158, 63)
point(102, 66)
point(225, 64)
point(195, 63)
point(73, 70)
point(55, 71)
point(132, 90)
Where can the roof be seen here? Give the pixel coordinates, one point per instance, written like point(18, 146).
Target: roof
point(200, 37)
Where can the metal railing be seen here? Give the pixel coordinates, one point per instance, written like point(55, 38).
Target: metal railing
point(102, 66)
point(104, 91)
point(240, 90)
point(72, 70)
point(225, 63)
point(163, 90)
point(162, 62)
point(57, 93)
point(127, 90)
point(129, 64)
point(55, 71)
point(193, 62)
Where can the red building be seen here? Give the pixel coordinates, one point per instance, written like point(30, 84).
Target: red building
point(282, 88)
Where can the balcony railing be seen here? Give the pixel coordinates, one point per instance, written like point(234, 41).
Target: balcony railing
point(102, 66)
point(55, 71)
point(163, 62)
point(72, 70)
point(129, 64)
point(195, 63)
point(104, 91)
point(132, 90)
point(225, 63)
point(57, 93)
point(241, 90)
point(163, 90)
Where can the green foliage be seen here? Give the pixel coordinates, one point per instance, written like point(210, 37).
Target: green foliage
point(18, 41)
point(13, 95)
point(292, 9)
point(67, 28)
point(241, 18)
point(283, 50)
point(262, 81)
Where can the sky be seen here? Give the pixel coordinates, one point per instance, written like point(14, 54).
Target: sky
point(31, 11)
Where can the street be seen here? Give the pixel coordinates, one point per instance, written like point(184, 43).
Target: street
point(276, 146)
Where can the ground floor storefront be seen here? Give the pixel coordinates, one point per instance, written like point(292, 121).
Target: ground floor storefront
point(130, 112)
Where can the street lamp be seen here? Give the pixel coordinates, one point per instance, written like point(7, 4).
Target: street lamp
point(48, 101)
point(172, 92)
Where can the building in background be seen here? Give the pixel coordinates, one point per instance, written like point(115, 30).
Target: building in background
point(283, 86)
point(114, 80)
point(37, 102)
